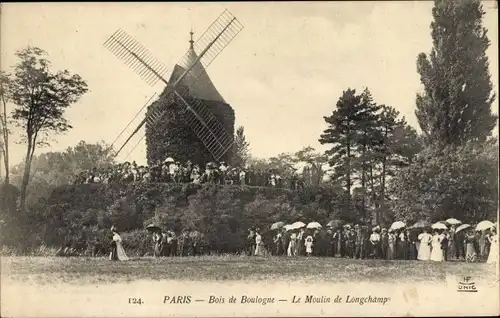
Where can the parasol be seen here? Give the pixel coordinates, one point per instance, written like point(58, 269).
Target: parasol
point(439, 226)
point(453, 221)
point(277, 225)
point(484, 225)
point(153, 228)
point(169, 159)
point(334, 223)
point(313, 225)
point(398, 225)
point(298, 225)
point(420, 225)
point(288, 227)
point(462, 227)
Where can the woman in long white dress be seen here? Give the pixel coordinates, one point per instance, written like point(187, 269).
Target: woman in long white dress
point(258, 244)
point(493, 255)
point(437, 250)
point(424, 250)
point(120, 252)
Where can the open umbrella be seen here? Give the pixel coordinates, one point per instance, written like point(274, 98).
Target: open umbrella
point(288, 227)
point(398, 225)
point(484, 225)
point(298, 225)
point(420, 225)
point(169, 159)
point(153, 228)
point(462, 227)
point(453, 221)
point(334, 223)
point(439, 226)
point(313, 225)
point(277, 225)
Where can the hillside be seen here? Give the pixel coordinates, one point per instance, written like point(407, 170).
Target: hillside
point(222, 213)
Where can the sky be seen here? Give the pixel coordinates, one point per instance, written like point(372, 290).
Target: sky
point(282, 73)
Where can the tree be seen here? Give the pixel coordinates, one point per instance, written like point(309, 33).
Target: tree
point(41, 97)
point(397, 145)
point(315, 163)
point(341, 134)
point(241, 149)
point(459, 182)
point(366, 139)
point(455, 106)
point(53, 169)
point(4, 138)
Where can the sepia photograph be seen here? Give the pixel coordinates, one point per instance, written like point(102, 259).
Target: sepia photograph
point(249, 159)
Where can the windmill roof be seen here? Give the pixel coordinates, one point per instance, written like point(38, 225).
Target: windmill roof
point(199, 83)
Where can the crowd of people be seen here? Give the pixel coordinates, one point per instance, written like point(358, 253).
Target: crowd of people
point(358, 242)
point(348, 241)
point(172, 171)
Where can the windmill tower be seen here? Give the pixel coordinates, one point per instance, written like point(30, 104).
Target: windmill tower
point(171, 137)
point(188, 100)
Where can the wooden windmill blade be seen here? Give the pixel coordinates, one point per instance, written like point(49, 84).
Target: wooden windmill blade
point(134, 122)
point(201, 120)
point(137, 57)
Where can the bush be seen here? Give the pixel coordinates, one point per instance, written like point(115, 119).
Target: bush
point(79, 215)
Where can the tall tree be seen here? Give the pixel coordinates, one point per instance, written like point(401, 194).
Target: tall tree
point(455, 106)
point(240, 149)
point(365, 140)
point(41, 96)
point(4, 130)
point(341, 134)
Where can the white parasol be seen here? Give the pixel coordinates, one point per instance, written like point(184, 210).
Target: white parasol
point(439, 226)
point(313, 225)
point(169, 159)
point(462, 227)
point(398, 225)
point(298, 225)
point(453, 221)
point(484, 225)
point(277, 225)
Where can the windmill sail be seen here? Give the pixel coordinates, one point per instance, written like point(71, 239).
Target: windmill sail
point(191, 68)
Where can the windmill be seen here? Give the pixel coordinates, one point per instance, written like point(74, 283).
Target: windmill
point(201, 120)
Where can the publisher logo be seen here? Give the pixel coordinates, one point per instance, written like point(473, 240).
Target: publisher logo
point(466, 285)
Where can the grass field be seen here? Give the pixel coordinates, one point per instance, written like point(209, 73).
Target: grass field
point(51, 270)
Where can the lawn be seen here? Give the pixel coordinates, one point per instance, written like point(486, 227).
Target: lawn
point(51, 270)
